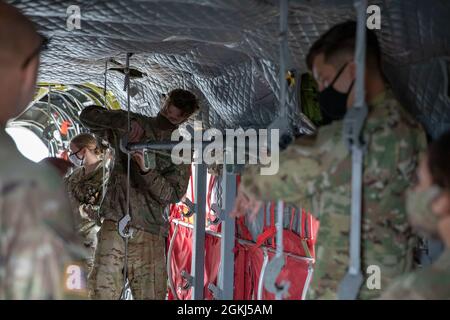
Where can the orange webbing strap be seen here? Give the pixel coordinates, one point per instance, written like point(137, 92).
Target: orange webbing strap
point(268, 233)
point(245, 233)
point(305, 237)
point(65, 127)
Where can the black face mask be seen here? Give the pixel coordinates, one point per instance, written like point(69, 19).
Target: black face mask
point(333, 104)
point(163, 123)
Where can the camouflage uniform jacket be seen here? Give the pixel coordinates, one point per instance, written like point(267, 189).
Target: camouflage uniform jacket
point(38, 238)
point(315, 173)
point(84, 190)
point(430, 283)
point(150, 193)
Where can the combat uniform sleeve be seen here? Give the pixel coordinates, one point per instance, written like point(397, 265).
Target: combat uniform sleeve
point(41, 248)
point(98, 118)
point(74, 203)
point(168, 186)
point(293, 181)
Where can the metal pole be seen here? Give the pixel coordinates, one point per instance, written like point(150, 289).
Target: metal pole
point(198, 247)
point(226, 274)
point(284, 55)
point(277, 263)
point(280, 249)
point(353, 124)
point(105, 85)
point(169, 145)
point(360, 53)
point(357, 151)
point(49, 146)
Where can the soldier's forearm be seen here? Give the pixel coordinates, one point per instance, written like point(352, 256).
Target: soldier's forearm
point(163, 189)
point(97, 118)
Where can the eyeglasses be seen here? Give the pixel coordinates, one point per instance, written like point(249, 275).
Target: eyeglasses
point(43, 46)
point(73, 153)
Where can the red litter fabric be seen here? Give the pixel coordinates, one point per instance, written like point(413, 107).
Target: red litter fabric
point(182, 257)
point(182, 250)
point(249, 258)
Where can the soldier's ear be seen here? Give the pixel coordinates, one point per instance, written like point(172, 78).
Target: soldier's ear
point(163, 98)
point(83, 152)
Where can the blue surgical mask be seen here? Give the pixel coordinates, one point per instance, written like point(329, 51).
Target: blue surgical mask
point(75, 160)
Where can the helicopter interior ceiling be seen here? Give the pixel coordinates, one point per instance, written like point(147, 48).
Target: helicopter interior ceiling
point(227, 51)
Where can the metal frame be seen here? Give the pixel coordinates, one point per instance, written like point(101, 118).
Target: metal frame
point(198, 247)
point(276, 264)
point(226, 272)
point(353, 124)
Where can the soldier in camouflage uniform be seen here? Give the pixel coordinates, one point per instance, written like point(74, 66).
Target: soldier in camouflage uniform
point(151, 190)
point(85, 186)
point(315, 172)
point(39, 248)
point(428, 206)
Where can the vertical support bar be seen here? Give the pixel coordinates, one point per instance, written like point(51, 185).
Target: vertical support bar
point(353, 125)
point(360, 53)
point(356, 149)
point(279, 226)
point(284, 56)
point(49, 146)
point(226, 273)
point(198, 247)
point(105, 86)
point(279, 249)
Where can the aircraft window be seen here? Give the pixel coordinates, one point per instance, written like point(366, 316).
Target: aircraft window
point(28, 143)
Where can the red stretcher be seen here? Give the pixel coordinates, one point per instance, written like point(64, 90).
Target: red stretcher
point(251, 257)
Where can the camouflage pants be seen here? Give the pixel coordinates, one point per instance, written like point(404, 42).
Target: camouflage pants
point(146, 265)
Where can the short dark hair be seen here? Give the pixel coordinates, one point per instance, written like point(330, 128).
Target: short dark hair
point(341, 39)
point(439, 161)
point(183, 100)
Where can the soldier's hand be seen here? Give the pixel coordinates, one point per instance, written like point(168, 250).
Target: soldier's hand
point(87, 212)
point(136, 133)
point(245, 205)
point(138, 156)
